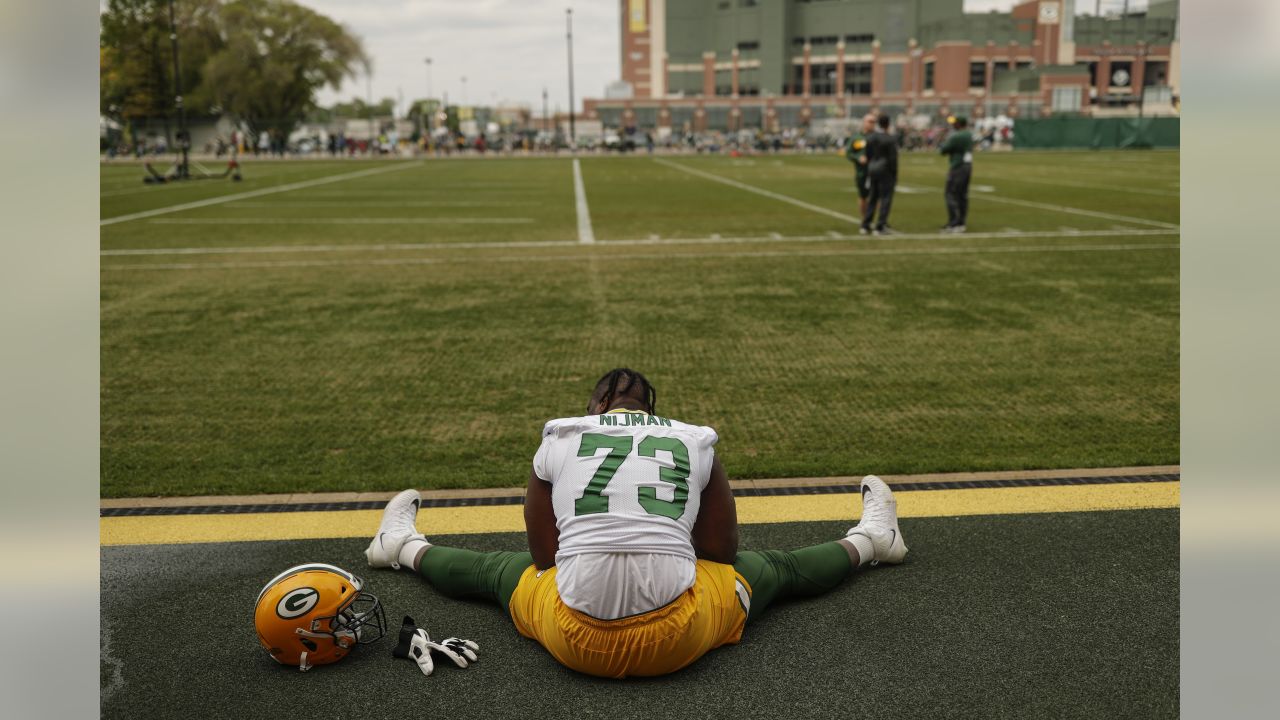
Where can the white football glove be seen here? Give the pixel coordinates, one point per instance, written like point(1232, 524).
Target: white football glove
point(415, 644)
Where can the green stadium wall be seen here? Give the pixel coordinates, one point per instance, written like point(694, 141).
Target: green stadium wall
point(1097, 133)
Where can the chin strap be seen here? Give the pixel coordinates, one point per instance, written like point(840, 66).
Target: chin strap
point(345, 638)
point(302, 664)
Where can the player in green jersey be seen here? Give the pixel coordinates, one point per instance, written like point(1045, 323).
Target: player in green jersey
point(959, 147)
point(856, 153)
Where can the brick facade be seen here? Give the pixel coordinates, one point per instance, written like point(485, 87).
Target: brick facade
point(938, 73)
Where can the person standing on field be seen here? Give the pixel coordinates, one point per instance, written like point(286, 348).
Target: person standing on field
point(882, 176)
point(856, 153)
point(959, 148)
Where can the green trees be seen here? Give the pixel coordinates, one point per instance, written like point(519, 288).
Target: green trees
point(260, 60)
point(135, 68)
point(275, 56)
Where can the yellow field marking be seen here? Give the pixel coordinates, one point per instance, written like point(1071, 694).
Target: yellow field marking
point(173, 529)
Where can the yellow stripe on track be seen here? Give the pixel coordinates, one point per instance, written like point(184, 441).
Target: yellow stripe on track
point(173, 529)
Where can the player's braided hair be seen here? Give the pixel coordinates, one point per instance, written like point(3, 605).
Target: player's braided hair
point(619, 382)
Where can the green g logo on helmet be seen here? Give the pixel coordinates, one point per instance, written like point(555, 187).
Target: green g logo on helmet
point(297, 602)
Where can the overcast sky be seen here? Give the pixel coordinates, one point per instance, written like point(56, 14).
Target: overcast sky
point(507, 49)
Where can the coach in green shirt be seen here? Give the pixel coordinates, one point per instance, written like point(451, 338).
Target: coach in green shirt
point(959, 148)
point(856, 153)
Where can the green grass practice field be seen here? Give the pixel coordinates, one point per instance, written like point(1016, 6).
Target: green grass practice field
point(375, 325)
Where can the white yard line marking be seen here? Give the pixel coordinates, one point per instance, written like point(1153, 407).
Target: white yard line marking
point(1075, 211)
point(257, 193)
point(1045, 206)
point(1089, 186)
point(654, 256)
point(714, 239)
point(342, 221)
point(758, 191)
point(586, 235)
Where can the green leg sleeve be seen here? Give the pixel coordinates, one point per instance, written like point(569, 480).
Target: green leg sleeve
point(469, 574)
point(777, 574)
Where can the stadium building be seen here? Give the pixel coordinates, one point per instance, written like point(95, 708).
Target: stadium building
point(698, 65)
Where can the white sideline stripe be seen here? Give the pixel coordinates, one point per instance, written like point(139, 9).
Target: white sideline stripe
point(651, 256)
point(256, 193)
point(712, 240)
point(586, 235)
point(342, 221)
point(759, 191)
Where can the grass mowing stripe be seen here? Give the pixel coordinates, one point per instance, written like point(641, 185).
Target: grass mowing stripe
point(642, 256)
point(586, 235)
point(256, 193)
point(716, 240)
point(758, 191)
point(183, 529)
point(290, 249)
point(380, 204)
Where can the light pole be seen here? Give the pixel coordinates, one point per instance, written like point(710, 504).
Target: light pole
point(183, 140)
point(464, 90)
point(568, 22)
point(545, 121)
point(424, 110)
point(368, 102)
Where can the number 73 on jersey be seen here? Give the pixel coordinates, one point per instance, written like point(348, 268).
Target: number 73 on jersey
point(620, 448)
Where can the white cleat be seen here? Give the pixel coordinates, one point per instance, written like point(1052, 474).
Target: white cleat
point(397, 528)
point(879, 522)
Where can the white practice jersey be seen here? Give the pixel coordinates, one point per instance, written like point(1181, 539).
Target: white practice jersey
point(624, 483)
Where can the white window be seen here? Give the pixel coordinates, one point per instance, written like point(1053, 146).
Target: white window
point(1066, 99)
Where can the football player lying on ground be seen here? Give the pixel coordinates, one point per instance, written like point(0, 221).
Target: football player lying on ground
point(633, 565)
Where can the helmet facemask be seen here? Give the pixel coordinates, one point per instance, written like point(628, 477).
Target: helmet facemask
point(360, 622)
point(362, 619)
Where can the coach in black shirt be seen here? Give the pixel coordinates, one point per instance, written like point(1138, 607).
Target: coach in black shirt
point(882, 175)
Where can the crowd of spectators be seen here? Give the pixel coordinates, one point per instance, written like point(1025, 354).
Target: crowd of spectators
point(911, 134)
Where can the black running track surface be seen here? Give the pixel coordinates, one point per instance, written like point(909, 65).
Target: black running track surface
point(1059, 615)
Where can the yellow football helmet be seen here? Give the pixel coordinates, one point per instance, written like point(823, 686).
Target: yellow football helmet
point(315, 614)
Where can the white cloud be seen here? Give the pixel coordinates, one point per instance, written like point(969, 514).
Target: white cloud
point(507, 49)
